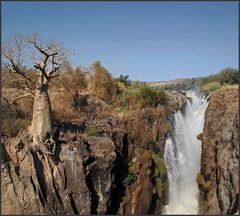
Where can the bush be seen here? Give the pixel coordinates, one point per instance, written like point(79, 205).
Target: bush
point(72, 80)
point(138, 95)
point(200, 136)
point(158, 173)
point(14, 118)
point(102, 83)
point(211, 87)
point(228, 76)
point(134, 167)
point(169, 87)
point(202, 183)
point(151, 97)
point(124, 79)
point(92, 130)
point(128, 179)
point(124, 100)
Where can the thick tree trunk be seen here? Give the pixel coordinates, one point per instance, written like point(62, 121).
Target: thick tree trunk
point(41, 127)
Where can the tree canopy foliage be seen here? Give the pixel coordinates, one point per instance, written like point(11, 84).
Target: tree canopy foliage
point(226, 76)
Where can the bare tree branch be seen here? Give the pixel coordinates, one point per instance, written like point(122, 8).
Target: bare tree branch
point(52, 57)
point(12, 51)
point(40, 68)
point(49, 59)
point(15, 69)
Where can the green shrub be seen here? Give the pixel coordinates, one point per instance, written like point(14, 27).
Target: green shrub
point(152, 97)
point(123, 99)
point(134, 167)
point(138, 95)
point(228, 76)
point(92, 130)
point(159, 176)
point(124, 79)
point(211, 87)
point(128, 179)
point(130, 171)
point(158, 173)
point(169, 87)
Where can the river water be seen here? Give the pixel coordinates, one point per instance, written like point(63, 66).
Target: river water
point(183, 155)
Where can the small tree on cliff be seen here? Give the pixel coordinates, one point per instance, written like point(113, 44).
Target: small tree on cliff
point(48, 58)
point(102, 83)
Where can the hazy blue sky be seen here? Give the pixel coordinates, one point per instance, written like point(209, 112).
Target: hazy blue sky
point(149, 41)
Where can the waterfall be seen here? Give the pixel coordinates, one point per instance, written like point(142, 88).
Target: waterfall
point(183, 154)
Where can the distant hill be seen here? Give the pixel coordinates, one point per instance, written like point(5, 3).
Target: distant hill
point(159, 83)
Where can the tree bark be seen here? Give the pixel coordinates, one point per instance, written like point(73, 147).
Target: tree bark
point(41, 127)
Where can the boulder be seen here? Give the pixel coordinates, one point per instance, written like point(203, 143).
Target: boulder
point(177, 100)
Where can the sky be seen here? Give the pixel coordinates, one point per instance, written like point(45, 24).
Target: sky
point(149, 41)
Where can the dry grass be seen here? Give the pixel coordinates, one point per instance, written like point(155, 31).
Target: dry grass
point(227, 96)
point(85, 105)
point(223, 105)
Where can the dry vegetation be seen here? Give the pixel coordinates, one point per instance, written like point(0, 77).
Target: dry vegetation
point(224, 95)
point(15, 115)
point(79, 92)
point(227, 76)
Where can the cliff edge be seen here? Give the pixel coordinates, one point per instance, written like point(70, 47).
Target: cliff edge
point(218, 181)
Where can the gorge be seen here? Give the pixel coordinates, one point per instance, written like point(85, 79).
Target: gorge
point(182, 155)
point(119, 108)
point(156, 160)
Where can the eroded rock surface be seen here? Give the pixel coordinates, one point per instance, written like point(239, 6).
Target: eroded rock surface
point(148, 128)
point(78, 179)
point(219, 186)
point(85, 174)
point(149, 190)
point(177, 100)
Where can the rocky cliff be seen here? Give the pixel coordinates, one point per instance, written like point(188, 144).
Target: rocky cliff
point(218, 181)
point(76, 179)
point(84, 175)
point(97, 164)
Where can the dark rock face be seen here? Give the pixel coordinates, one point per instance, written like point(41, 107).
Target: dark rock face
point(78, 179)
point(98, 167)
point(86, 173)
point(220, 153)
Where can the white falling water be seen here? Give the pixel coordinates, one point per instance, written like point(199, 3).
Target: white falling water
point(182, 156)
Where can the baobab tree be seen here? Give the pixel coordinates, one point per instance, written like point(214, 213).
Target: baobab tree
point(48, 58)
